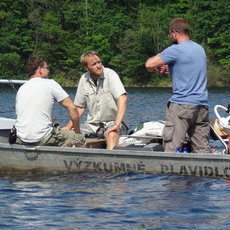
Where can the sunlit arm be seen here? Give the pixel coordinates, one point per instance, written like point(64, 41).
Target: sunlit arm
point(121, 108)
point(153, 63)
point(80, 111)
point(73, 113)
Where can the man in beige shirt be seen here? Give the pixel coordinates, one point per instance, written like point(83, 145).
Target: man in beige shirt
point(102, 93)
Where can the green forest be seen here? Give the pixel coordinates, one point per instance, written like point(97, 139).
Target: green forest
point(124, 32)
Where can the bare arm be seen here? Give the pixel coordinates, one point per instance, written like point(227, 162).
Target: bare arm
point(80, 111)
point(73, 113)
point(155, 63)
point(121, 109)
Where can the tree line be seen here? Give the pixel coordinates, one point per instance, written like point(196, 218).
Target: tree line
point(124, 32)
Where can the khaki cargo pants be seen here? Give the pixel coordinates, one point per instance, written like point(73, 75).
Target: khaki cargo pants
point(190, 119)
point(60, 137)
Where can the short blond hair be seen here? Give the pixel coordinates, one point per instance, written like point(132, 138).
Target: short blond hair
point(88, 54)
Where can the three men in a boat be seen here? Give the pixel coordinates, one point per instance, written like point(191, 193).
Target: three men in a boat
point(101, 92)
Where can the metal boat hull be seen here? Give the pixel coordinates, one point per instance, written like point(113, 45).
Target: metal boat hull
point(45, 159)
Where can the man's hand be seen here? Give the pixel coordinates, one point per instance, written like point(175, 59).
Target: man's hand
point(164, 69)
point(114, 128)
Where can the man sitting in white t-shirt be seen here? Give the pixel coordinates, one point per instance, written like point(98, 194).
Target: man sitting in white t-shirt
point(34, 104)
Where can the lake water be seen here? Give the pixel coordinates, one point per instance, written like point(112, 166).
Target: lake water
point(115, 201)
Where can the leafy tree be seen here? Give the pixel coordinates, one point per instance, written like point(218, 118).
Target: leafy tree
point(210, 23)
point(10, 65)
point(125, 33)
point(146, 39)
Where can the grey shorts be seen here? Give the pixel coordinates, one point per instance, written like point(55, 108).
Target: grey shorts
point(87, 128)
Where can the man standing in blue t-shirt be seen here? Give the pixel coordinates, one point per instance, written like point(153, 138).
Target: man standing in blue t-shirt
point(187, 109)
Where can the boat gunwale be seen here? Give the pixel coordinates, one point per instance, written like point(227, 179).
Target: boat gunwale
point(113, 153)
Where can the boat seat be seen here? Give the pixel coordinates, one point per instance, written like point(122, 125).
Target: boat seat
point(95, 143)
point(219, 133)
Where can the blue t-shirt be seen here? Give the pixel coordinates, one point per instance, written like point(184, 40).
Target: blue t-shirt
point(188, 72)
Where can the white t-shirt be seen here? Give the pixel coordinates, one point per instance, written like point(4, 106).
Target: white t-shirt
point(34, 106)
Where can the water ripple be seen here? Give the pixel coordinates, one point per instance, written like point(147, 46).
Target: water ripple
point(116, 201)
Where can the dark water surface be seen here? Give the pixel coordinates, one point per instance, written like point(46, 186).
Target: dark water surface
point(115, 201)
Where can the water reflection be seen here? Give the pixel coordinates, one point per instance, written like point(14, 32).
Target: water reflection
point(118, 201)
